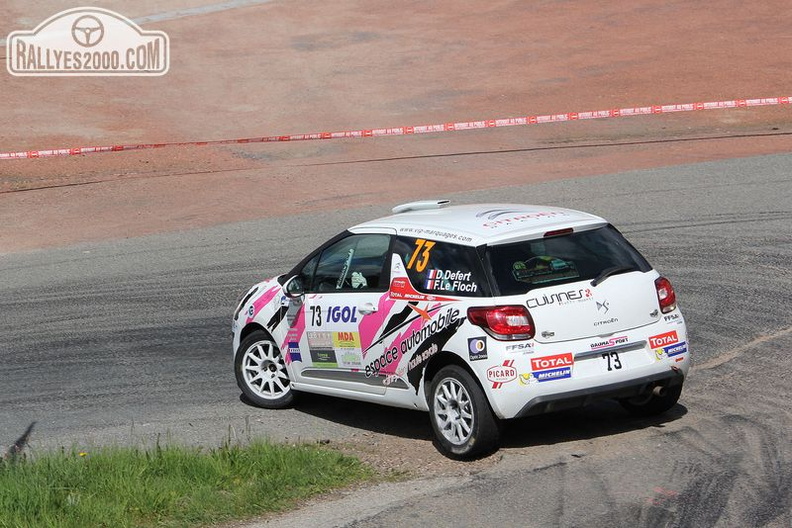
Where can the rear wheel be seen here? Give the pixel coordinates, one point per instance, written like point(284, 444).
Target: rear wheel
point(261, 372)
point(652, 404)
point(462, 419)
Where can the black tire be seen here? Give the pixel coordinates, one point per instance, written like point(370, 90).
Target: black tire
point(261, 372)
point(652, 405)
point(461, 417)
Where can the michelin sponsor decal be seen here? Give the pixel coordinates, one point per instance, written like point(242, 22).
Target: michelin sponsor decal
point(551, 368)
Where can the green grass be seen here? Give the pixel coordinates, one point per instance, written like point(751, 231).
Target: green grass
point(166, 486)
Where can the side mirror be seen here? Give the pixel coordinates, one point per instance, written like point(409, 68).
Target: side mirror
point(293, 288)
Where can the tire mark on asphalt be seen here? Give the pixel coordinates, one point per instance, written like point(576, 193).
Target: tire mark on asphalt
point(734, 353)
point(704, 488)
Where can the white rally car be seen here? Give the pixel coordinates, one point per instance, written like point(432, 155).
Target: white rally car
point(474, 313)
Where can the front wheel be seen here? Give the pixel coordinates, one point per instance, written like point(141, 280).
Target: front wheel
point(652, 404)
point(462, 419)
point(261, 372)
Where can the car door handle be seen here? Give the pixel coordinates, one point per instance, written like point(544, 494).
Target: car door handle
point(367, 309)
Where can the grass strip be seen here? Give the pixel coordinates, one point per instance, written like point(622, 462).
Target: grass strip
point(167, 486)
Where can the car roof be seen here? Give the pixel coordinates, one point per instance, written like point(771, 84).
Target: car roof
point(477, 224)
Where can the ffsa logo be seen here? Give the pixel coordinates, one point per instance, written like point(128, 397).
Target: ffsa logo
point(87, 41)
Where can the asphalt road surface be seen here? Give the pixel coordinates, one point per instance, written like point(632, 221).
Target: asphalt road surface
point(129, 341)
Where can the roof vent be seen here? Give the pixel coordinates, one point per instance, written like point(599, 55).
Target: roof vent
point(421, 205)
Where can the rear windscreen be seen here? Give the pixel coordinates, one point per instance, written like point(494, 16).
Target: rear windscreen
point(522, 266)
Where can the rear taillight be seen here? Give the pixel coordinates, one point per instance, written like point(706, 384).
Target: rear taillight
point(665, 294)
point(503, 322)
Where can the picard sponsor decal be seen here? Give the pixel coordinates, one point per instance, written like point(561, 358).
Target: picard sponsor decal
point(661, 340)
point(450, 281)
point(391, 355)
point(501, 374)
point(477, 348)
point(613, 341)
point(555, 367)
point(561, 298)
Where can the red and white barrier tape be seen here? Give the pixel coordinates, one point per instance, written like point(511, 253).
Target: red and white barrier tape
point(419, 129)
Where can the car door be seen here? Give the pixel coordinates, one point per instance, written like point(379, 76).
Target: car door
point(343, 303)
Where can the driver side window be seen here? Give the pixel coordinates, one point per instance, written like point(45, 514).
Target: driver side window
point(355, 263)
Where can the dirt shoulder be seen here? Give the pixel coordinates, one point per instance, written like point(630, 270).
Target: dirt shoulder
point(312, 66)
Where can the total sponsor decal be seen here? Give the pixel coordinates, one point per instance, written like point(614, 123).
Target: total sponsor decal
point(561, 298)
point(451, 281)
point(661, 340)
point(501, 374)
point(613, 341)
point(411, 341)
point(477, 348)
point(550, 368)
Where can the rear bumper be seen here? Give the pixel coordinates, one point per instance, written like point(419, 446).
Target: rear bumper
point(579, 398)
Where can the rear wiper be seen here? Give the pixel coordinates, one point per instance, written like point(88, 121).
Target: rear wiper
point(607, 272)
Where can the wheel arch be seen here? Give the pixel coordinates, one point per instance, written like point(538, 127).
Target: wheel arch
point(437, 362)
point(250, 328)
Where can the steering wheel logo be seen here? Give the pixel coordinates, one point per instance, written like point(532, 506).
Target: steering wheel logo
point(87, 31)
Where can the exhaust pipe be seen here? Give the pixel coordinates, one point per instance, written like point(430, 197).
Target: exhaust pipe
point(659, 391)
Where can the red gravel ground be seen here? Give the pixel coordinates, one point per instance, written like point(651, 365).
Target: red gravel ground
point(293, 67)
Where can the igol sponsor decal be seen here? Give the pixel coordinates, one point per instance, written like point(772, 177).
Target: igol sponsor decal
point(561, 298)
point(501, 374)
point(413, 340)
point(477, 348)
point(554, 367)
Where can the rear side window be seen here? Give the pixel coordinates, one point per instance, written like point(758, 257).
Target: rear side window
point(440, 268)
point(523, 266)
